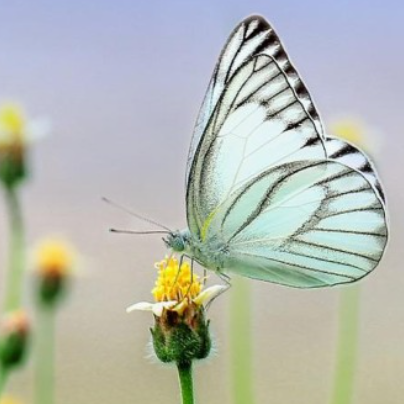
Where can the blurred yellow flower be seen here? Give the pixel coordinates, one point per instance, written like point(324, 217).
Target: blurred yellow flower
point(176, 288)
point(14, 336)
point(350, 130)
point(12, 119)
point(54, 256)
point(357, 132)
point(15, 322)
point(16, 130)
point(54, 261)
point(9, 400)
point(16, 133)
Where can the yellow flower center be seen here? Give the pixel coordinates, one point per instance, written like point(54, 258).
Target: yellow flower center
point(12, 123)
point(175, 283)
point(54, 257)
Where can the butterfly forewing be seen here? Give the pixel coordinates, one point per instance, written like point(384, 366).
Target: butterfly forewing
point(257, 117)
point(253, 36)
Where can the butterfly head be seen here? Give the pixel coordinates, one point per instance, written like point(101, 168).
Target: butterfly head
point(177, 240)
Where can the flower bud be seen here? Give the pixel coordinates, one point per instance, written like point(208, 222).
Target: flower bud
point(53, 264)
point(16, 133)
point(14, 336)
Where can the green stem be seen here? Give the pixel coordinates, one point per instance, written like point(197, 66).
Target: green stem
point(15, 273)
point(347, 346)
point(241, 342)
point(3, 380)
point(45, 357)
point(186, 383)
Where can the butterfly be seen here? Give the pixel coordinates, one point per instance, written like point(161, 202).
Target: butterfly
point(269, 195)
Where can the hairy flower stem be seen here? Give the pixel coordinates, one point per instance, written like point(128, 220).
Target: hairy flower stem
point(347, 346)
point(14, 286)
point(186, 383)
point(241, 342)
point(45, 357)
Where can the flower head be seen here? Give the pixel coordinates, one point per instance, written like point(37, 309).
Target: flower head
point(53, 262)
point(181, 331)
point(14, 334)
point(16, 133)
point(176, 288)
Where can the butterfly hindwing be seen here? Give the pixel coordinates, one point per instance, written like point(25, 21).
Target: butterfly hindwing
point(305, 224)
point(351, 156)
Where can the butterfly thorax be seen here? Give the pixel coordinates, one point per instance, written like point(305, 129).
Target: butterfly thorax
point(210, 254)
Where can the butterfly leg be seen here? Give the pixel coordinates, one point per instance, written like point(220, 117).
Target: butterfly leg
point(192, 275)
point(227, 280)
point(179, 270)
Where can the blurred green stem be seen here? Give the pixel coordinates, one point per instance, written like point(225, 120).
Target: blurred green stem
point(346, 346)
point(3, 380)
point(241, 342)
point(14, 286)
point(186, 382)
point(45, 356)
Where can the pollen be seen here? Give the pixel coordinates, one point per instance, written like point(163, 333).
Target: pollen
point(175, 283)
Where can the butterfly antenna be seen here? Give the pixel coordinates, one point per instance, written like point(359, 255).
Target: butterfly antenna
point(120, 231)
point(145, 219)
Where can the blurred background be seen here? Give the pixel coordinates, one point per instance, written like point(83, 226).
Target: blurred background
point(122, 83)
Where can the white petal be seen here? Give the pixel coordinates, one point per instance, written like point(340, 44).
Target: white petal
point(140, 306)
point(159, 307)
point(180, 307)
point(210, 293)
point(38, 129)
point(156, 308)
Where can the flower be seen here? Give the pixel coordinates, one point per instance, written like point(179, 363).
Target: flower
point(14, 334)
point(16, 133)
point(176, 288)
point(357, 132)
point(16, 130)
point(181, 331)
point(54, 261)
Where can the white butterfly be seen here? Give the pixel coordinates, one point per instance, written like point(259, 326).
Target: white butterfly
point(269, 195)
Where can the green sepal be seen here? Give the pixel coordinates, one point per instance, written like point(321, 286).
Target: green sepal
point(12, 169)
point(181, 338)
point(13, 348)
point(51, 289)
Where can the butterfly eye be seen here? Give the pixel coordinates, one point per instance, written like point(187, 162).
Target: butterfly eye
point(175, 241)
point(178, 244)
